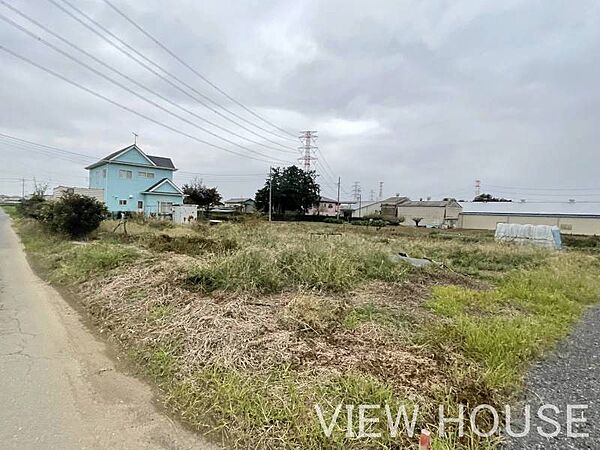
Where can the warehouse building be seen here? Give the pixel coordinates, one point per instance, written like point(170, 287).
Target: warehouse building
point(570, 217)
point(430, 213)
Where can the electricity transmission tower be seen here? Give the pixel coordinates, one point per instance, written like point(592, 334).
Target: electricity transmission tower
point(477, 187)
point(356, 190)
point(308, 148)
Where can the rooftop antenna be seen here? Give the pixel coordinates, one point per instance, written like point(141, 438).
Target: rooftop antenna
point(135, 136)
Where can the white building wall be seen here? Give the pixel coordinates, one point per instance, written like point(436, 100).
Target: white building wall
point(59, 191)
point(567, 225)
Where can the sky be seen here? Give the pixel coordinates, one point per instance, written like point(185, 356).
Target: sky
point(424, 96)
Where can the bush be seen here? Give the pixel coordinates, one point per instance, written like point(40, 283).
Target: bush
point(371, 222)
point(75, 215)
point(333, 220)
point(33, 207)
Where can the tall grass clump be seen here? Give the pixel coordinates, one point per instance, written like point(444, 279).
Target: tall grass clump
point(312, 265)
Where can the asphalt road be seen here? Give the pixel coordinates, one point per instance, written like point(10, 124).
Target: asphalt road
point(569, 376)
point(59, 389)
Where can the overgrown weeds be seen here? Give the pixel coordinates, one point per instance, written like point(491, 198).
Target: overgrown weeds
point(321, 266)
point(245, 327)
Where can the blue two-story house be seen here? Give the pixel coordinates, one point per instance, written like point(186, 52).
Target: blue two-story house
point(135, 182)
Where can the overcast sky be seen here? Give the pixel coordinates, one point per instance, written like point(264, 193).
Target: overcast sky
point(426, 96)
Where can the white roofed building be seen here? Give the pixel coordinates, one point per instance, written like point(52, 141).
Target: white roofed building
point(571, 217)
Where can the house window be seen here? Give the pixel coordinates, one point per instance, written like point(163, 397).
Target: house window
point(125, 174)
point(330, 206)
point(140, 204)
point(165, 208)
point(103, 173)
point(146, 174)
point(122, 202)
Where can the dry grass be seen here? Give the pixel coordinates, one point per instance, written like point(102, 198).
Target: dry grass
point(245, 327)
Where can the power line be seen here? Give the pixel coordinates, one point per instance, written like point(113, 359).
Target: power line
point(542, 189)
point(6, 138)
point(162, 69)
point(122, 86)
point(185, 64)
point(24, 144)
point(43, 152)
point(325, 164)
point(121, 74)
point(563, 195)
point(126, 108)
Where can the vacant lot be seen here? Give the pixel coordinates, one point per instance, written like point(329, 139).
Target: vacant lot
point(245, 327)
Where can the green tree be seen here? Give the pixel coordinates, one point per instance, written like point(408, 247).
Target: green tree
point(199, 194)
point(490, 198)
point(294, 190)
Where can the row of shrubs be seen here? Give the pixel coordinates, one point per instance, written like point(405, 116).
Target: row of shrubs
point(73, 215)
point(372, 220)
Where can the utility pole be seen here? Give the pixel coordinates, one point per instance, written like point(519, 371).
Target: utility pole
point(338, 197)
point(270, 193)
point(359, 205)
point(23, 189)
point(380, 191)
point(308, 148)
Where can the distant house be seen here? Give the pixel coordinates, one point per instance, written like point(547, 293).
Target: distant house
point(325, 207)
point(444, 213)
point(60, 191)
point(241, 204)
point(135, 182)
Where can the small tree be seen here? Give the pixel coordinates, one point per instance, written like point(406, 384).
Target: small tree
point(33, 207)
point(75, 215)
point(417, 220)
point(199, 194)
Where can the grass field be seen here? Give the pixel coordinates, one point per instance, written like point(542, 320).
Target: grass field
point(245, 327)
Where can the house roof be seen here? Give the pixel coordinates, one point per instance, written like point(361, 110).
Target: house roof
point(394, 200)
point(155, 186)
point(533, 208)
point(327, 200)
point(238, 200)
point(428, 203)
point(162, 161)
point(158, 161)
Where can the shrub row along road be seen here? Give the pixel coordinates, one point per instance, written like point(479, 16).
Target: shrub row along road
point(58, 387)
